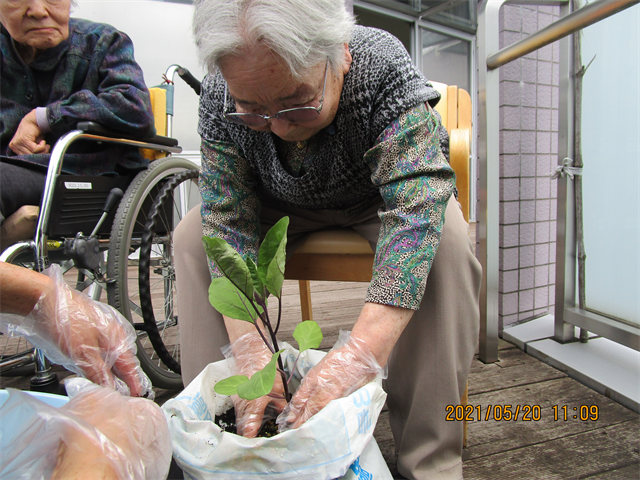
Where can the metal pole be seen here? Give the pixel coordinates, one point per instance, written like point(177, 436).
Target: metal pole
point(488, 220)
point(565, 287)
point(587, 15)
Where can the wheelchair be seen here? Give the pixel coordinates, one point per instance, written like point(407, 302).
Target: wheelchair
point(131, 220)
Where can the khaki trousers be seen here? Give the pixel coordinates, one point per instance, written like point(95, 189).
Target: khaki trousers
point(429, 365)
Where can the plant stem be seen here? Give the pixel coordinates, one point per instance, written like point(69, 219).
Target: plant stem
point(279, 316)
point(272, 334)
point(264, 339)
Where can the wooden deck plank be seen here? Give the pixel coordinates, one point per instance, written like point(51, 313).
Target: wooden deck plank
point(490, 437)
point(514, 368)
point(336, 306)
point(573, 456)
point(631, 471)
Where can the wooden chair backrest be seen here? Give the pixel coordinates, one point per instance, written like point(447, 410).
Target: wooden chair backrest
point(455, 110)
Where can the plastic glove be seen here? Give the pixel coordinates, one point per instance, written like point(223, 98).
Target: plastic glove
point(134, 437)
point(98, 434)
point(347, 367)
point(251, 355)
point(87, 337)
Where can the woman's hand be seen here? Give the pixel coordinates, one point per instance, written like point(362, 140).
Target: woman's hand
point(28, 137)
point(251, 355)
point(341, 372)
point(88, 337)
point(96, 338)
point(130, 438)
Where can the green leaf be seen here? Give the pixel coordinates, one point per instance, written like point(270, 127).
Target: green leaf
point(229, 386)
point(272, 257)
point(228, 300)
point(308, 335)
point(258, 286)
point(261, 382)
point(230, 263)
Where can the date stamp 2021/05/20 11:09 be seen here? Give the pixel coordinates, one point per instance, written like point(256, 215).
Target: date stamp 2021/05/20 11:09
point(524, 413)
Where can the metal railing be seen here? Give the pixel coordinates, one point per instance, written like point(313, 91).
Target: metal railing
point(490, 58)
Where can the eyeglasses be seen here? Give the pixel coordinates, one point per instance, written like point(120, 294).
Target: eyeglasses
point(292, 115)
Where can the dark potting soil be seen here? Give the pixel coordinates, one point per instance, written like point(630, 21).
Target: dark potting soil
point(227, 422)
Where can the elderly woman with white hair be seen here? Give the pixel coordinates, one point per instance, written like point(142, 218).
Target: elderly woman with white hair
point(305, 115)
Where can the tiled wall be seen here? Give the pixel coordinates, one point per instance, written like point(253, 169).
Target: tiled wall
point(528, 153)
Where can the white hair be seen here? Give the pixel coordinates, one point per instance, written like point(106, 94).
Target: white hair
point(301, 32)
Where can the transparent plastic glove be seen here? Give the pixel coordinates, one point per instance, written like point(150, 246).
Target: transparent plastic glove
point(251, 354)
point(133, 436)
point(347, 367)
point(87, 337)
point(98, 434)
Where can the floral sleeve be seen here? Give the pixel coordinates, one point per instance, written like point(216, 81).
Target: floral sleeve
point(415, 182)
point(230, 207)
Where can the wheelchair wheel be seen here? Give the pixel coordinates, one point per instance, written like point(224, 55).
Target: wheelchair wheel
point(160, 312)
point(129, 254)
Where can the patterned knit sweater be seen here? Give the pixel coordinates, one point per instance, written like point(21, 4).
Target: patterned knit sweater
point(385, 142)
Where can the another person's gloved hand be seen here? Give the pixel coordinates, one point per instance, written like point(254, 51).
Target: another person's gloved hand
point(341, 372)
point(251, 355)
point(87, 337)
point(129, 439)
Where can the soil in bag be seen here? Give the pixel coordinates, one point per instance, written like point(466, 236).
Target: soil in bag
point(227, 422)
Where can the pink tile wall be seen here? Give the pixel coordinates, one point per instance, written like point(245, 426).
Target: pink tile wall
point(528, 153)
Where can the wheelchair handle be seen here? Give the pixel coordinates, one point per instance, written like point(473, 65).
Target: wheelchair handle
point(113, 199)
point(192, 81)
point(115, 195)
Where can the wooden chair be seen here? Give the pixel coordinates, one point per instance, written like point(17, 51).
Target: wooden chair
point(343, 255)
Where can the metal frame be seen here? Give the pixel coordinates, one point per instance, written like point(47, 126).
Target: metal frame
point(490, 58)
point(55, 167)
point(414, 10)
point(488, 214)
point(566, 314)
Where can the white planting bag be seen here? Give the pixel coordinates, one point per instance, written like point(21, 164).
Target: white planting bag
point(335, 443)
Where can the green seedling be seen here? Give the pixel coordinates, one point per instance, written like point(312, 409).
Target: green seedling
point(242, 293)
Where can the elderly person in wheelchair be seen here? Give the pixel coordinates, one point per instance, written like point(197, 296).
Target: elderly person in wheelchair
point(56, 72)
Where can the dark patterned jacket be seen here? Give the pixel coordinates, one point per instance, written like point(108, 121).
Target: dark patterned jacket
point(90, 76)
point(385, 142)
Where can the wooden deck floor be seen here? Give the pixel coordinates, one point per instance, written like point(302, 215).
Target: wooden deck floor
point(604, 449)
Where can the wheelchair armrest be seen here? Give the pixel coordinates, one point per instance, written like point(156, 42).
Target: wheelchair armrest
point(97, 129)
